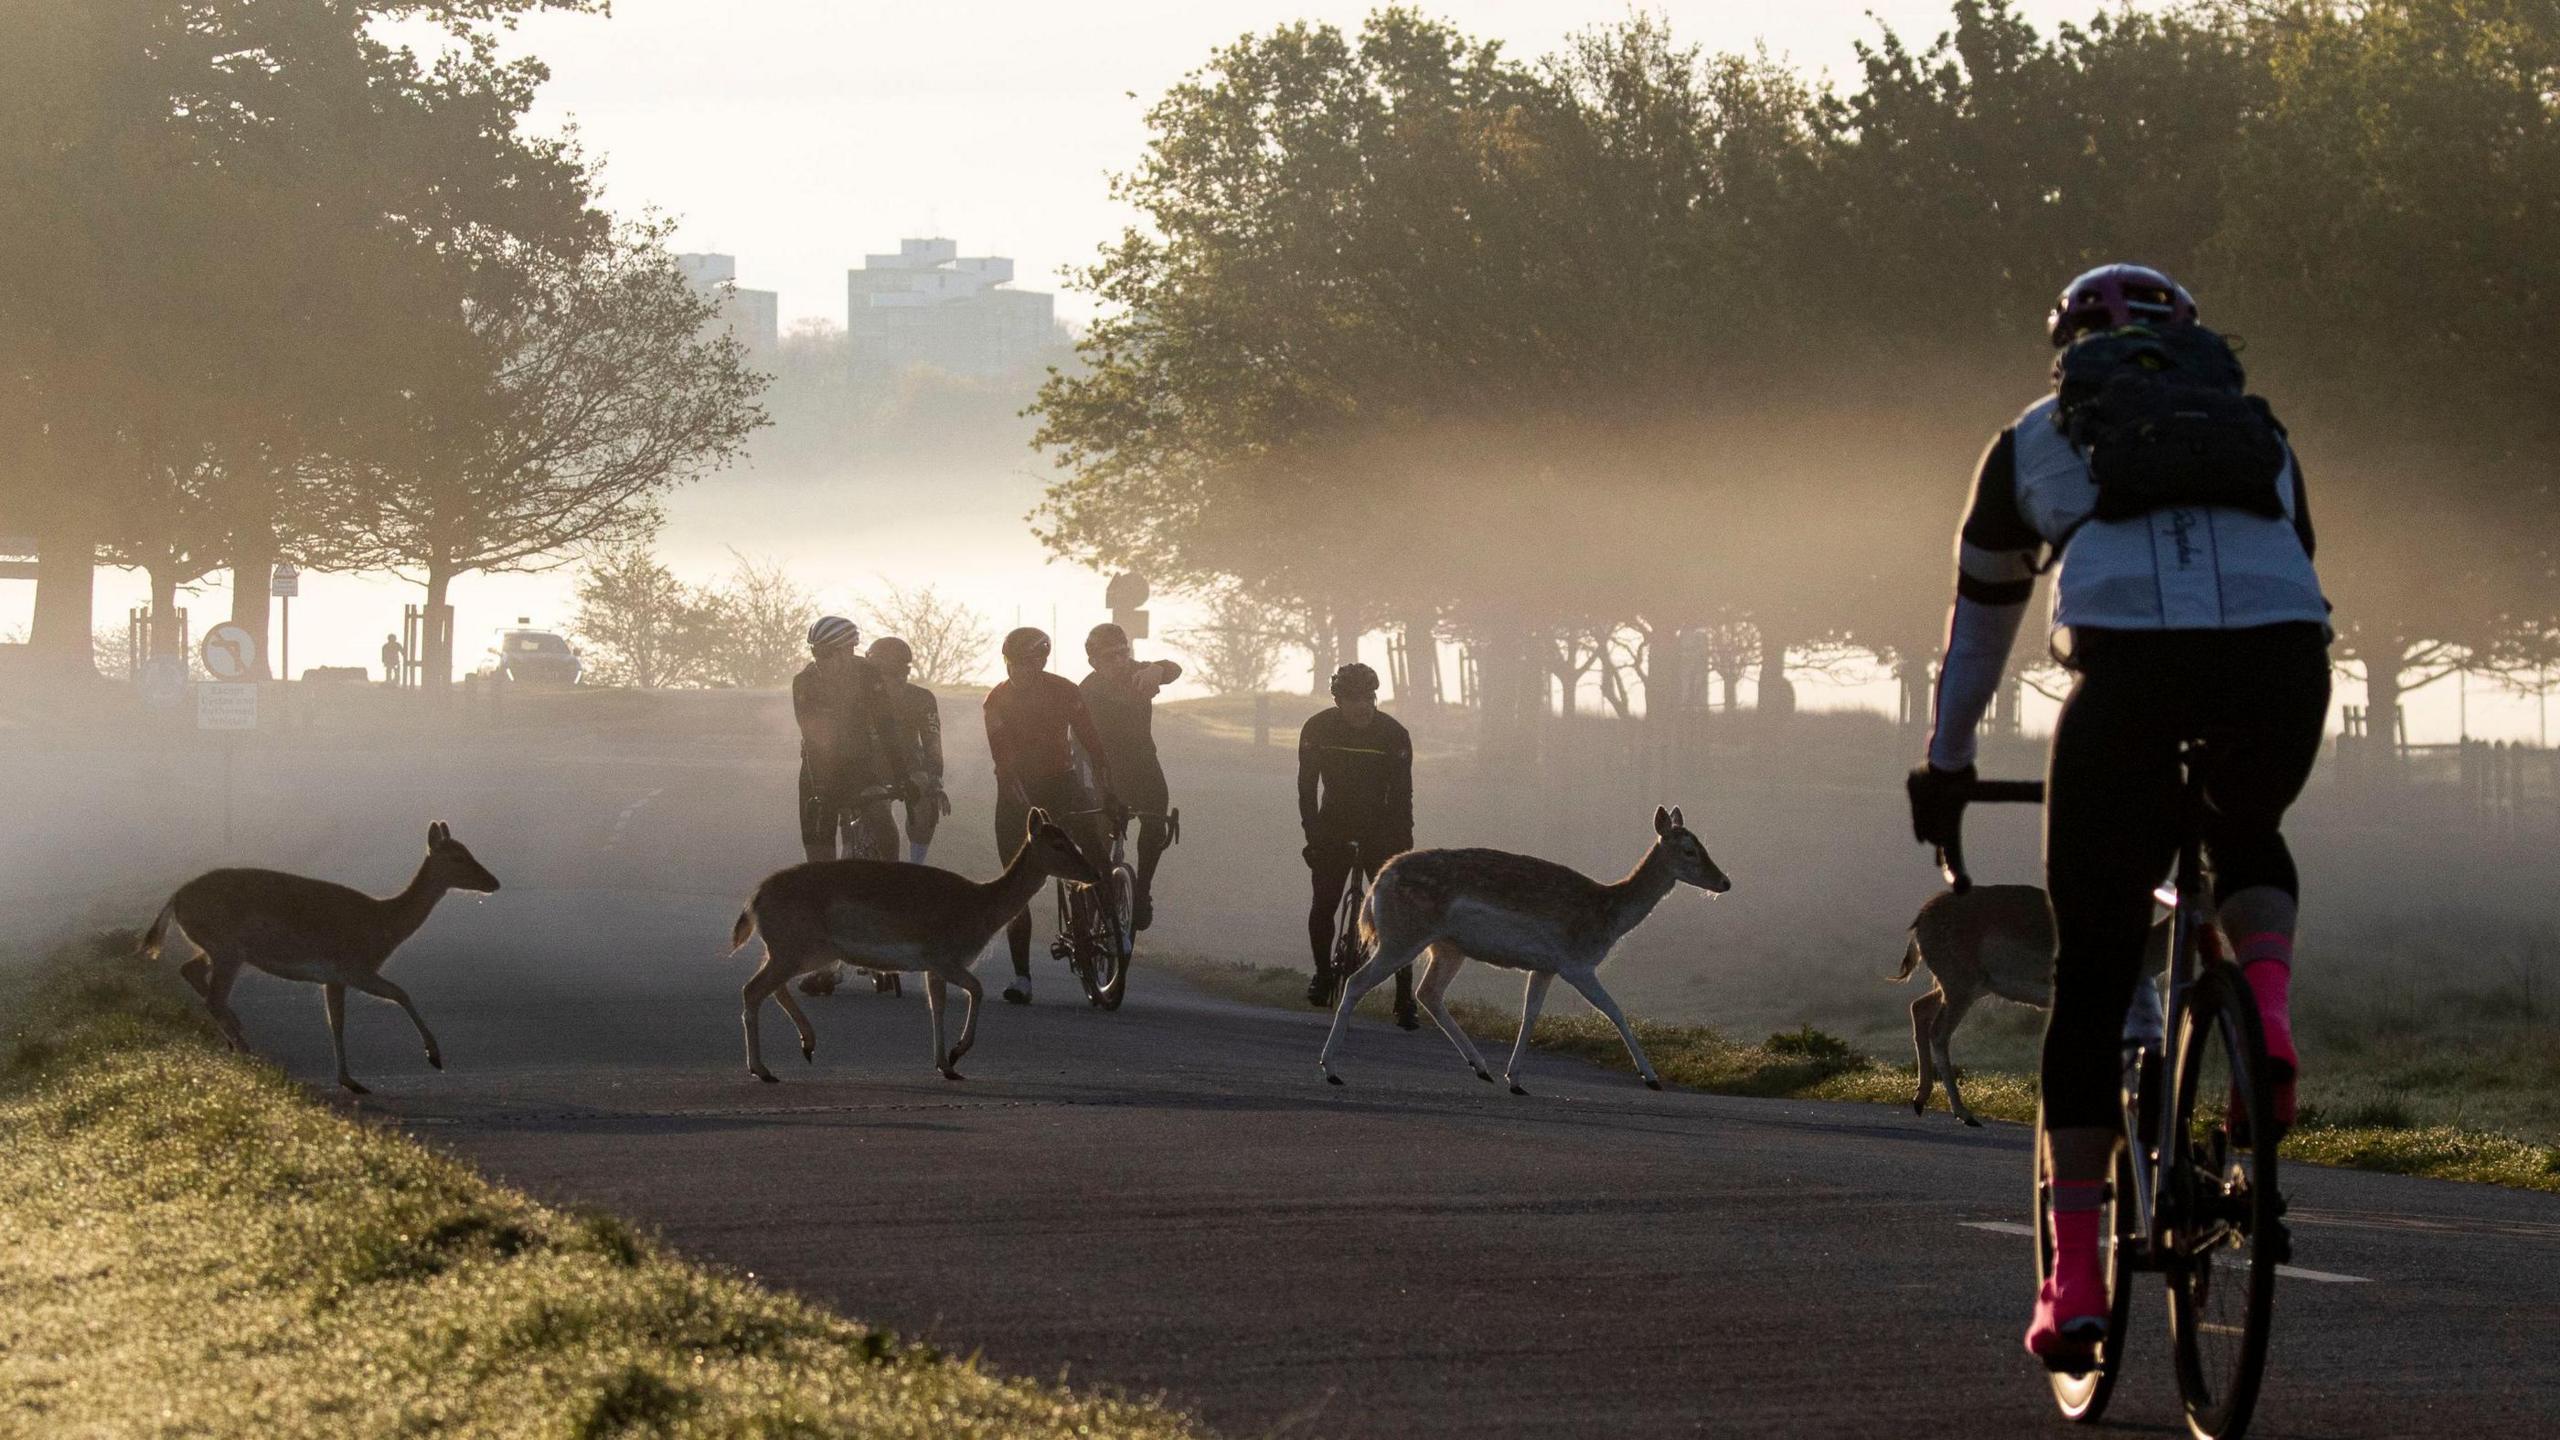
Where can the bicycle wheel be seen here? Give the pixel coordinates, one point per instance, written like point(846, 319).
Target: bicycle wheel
point(2083, 1397)
point(2225, 1231)
point(1116, 936)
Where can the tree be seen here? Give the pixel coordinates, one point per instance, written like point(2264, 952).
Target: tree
point(951, 640)
point(759, 625)
point(287, 192)
point(593, 384)
point(1239, 651)
point(639, 624)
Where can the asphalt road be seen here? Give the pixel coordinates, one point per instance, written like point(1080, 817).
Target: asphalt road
point(1169, 1200)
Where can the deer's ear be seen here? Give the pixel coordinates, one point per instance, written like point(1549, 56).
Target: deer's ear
point(438, 833)
point(1662, 821)
point(1676, 822)
point(1038, 818)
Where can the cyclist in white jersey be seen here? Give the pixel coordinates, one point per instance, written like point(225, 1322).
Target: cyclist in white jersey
point(2193, 620)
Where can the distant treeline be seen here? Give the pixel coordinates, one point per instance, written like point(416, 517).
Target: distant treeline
point(1632, 356)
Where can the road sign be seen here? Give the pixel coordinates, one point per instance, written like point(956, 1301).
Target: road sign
point(1125, 592)
point(285, 581)
point(230, 652)
point(226, 707)
point(163, 682)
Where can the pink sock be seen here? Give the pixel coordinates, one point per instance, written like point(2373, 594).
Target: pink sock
point(2079, 1287)
point(2267, 962)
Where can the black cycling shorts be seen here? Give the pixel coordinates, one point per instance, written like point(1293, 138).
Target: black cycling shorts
point(2260, 699)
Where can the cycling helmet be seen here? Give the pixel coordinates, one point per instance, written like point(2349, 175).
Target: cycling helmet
point(1105, 639)
point(891, 653)
point(1027, 646)
point(832, 633)
point(2114, 296)
point(1355, 679)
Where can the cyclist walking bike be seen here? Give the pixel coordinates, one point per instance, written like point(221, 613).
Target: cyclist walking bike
point(2170, 507)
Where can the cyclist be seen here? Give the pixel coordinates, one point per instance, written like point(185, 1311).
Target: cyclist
point(2191, 619)
point(850, 740)
point(921, 713)
point(1355, 788)
point(1035, 723)
point(1121, 694)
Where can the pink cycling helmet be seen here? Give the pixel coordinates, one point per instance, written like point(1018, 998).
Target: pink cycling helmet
point(2114, 296)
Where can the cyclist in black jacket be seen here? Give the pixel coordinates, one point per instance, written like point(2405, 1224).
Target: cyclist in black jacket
point(1355, 789)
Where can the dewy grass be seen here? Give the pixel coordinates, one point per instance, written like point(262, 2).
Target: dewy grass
point(190, 1246)
point(1809, 1065)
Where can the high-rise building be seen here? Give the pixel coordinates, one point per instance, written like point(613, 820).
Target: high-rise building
point(930, 305)
point(754, 316)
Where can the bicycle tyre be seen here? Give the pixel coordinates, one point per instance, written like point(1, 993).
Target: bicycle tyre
point(2083, 1398)
point(2226, 1228)
point(1118, 938)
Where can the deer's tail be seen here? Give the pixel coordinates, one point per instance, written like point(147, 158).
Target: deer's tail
point(1910, 955)
point(159, 931)
point(742, 932)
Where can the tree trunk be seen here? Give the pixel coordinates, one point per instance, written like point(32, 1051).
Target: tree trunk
point(1346, 638)
point(251, 568)
point(436, 640)
point(1777, 692)
point(1421, 664)
point(2382, 708)
point(1319, 652)
point(1913, 672)
point(1732, 680)
point(62, 639)
point(167, 638)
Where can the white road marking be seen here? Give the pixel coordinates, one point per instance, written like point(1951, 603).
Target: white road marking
point(630, 812)
point(2290, 1272)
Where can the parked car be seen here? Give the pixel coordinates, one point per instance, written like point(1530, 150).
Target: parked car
point(532, 657)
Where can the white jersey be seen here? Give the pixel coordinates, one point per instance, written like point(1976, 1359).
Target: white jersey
point(2194, 567)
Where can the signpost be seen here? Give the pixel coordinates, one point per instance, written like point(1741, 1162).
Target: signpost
point(229, 702)
point(1126, 594)
point(285, 582)
point(162, 682)
point(230, 652)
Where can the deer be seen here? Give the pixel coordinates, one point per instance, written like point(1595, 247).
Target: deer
point(1519, 913)
point(889, 917)
point(297, 928)
point(1990, 940)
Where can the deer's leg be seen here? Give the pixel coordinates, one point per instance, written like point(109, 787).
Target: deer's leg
point(1391, 957)
point(973, 992)
point(1587, 984)
point(1533, 998)
point(769, 977)
point(1924, 1011)
point(1441, 967)
point(1941, 1032)
point(376, 985)
point(219, 976)
point(334, 997)
point(194, 973)
point(799, 1022)
point(936, 995)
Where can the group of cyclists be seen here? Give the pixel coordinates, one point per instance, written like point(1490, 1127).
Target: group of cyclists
point(2171, 509)
point(1084, 752)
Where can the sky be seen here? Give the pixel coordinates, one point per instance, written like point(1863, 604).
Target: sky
point(799, 135)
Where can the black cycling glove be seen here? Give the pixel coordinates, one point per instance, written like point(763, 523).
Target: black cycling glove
point(1937, 802)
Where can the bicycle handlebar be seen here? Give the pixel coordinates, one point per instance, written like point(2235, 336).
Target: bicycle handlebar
point(1981, 792)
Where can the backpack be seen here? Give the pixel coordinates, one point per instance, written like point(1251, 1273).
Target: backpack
point(2164, 419)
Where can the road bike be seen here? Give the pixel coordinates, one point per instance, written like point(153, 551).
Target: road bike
point(1097, 929)
point(2194, 1197)
point(1349, 954)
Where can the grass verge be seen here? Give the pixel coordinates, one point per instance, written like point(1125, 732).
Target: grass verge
point(1810, 1065)
point(190, 1246)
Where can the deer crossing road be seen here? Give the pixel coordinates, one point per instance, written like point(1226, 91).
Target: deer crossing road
point(1170, 1199)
